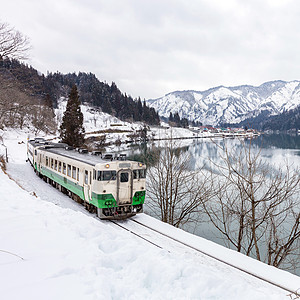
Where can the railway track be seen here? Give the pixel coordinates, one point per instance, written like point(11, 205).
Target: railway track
point(126, 225)
point(294, 294)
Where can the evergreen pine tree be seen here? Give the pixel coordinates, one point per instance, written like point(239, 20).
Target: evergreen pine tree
point(71, 129)
point(139, 110)
point(176, 119)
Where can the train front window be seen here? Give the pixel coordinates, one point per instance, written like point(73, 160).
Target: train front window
point(124, 177)
point(142, 173)
point(138, 174)
point(106, 175)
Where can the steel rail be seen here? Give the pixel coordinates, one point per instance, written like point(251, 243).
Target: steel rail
point(136, 234)
point(294, 293)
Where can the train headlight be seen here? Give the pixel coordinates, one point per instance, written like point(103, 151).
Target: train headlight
point(108, 203)
point(140, 164)
point(107, 166)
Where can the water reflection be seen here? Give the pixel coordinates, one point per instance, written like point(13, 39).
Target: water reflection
point(280, 141)
point(268, 145)
point(276, 150)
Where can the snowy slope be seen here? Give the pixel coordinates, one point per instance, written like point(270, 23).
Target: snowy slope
point(51, 248)
point(94, 119)
point(98, 121)
point(230, 104)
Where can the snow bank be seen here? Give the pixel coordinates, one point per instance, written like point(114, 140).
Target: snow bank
point(68, 255)
point(51, 251)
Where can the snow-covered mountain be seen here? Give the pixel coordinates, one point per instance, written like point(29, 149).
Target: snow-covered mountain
point(230, 104)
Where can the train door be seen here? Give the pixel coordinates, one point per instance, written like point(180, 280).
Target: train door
point(87, 181)
point(39, 161)
point(35, 159)
point(124, 186)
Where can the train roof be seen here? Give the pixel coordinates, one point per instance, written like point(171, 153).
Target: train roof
point(83, 157)
point(63, 149)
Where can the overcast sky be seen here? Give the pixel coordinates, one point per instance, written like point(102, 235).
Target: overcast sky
point(152, 47)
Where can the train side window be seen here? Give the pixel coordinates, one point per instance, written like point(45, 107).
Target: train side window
point(52, 163)
point(46, 161)
point(142, 173)
point(69, 171)
point(86, 177)
point(55, 165)
point(90, 177)
point(64, 168)
point(73, 172)
point(77, 174)
point(59, 166)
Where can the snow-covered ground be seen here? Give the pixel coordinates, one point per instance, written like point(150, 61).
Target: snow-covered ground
point(96, 121)
point(51, 248)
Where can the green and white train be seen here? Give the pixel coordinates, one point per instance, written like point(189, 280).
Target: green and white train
point(113, 188)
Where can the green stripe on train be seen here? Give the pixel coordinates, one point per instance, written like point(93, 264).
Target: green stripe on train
point(138, 198)
point(98, 200)
point(65, 182)
point(103, 200)
point(108, 200)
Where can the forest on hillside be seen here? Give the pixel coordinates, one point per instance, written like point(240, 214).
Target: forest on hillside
point(286, 121)
point(49, 88)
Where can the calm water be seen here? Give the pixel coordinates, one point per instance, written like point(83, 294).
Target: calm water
point(276, 149)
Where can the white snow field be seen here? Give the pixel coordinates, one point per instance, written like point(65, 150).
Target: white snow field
point(96, 121)
point(51, 248)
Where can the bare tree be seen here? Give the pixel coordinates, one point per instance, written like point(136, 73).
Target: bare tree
point(42, 118)
point(255, 207)
point(13, 44)
point(175, 191)
point(18, 109)
point(13, 101)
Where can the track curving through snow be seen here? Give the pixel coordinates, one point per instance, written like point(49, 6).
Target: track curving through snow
point(127, 225)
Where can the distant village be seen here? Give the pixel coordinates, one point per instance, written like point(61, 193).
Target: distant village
point(225, 132)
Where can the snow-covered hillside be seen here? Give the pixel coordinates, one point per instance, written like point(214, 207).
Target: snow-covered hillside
point(51, 248)
point(229, 104)
point(96, 122)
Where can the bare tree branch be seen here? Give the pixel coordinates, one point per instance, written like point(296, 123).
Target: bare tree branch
point(13, 44)
point(256, 207)
point(176, 192)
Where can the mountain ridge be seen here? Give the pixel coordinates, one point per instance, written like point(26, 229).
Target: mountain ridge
point(235, 104)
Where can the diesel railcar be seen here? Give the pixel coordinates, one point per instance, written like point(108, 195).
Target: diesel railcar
point(110, 187)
